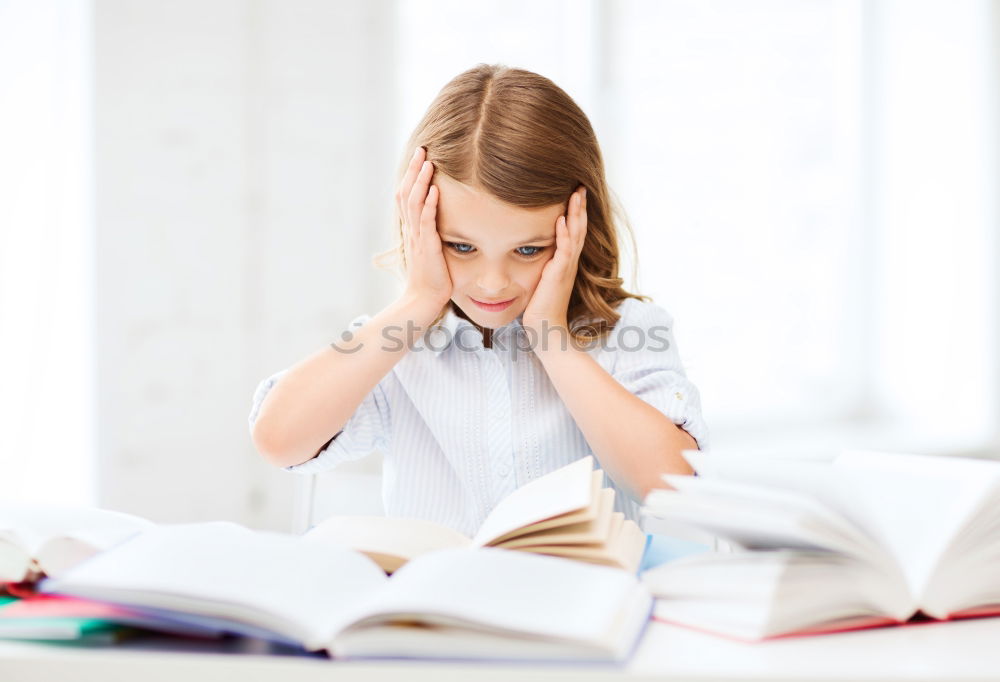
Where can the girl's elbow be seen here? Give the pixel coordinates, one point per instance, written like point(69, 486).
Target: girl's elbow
point(280, 453)
point(270, 445)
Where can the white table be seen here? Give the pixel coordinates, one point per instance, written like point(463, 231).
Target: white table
point(961, 650)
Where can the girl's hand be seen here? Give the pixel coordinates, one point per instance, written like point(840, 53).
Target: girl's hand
point(428, 279)
point(549, 304)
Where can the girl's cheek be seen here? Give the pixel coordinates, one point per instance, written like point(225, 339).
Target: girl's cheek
point(458, 270)
point(537, 267)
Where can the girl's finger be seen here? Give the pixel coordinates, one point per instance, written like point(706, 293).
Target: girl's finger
point(573, 209)
point(562, 237)
point(572, 241)
point(428, 216)
point(579, 219)
point(407, 183)
point(411, 174)
point(410, 232)
point(418, 193)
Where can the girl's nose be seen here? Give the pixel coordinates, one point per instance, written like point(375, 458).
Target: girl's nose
point(492, 282)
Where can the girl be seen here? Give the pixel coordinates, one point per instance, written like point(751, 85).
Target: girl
point(513, 349)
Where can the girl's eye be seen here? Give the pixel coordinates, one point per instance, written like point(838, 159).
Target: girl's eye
point(458, 248)
point(468, 248)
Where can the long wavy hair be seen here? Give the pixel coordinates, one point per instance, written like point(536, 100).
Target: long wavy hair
point(519, 137)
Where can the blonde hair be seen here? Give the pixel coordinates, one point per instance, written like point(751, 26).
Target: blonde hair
point(519, 137)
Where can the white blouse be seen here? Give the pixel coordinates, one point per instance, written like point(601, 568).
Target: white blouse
point(461, 426)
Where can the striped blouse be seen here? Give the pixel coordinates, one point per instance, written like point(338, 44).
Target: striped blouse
point(461, 426)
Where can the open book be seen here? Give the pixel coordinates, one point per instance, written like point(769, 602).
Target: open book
point(484, 603)
point(871, 538)
point(564, 513)
point(47, 540)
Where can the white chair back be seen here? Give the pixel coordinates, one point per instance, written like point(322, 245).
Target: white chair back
point(353, 489)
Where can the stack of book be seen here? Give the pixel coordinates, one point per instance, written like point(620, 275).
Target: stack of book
point(551, 575)
point(58, 618)
point(871, 538)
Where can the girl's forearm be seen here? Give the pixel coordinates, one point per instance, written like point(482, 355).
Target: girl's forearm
point(634, 442)
point(316, 397)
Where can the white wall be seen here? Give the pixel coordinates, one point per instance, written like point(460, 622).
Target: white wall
point(47, 435)
point(243, 157)
point(241, 168)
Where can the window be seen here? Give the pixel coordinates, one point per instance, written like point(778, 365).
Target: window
point(809, 184)
point(46, 308)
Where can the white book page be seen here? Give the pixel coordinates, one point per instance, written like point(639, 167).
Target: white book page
point(734, 520)
point(759, 517)
point(271, 580)
point(743, 576)
point(406, 538)
point(913, 504)
point(15, 562)
point(30, 526)
point(593, 531)
point(818, 523)
point(805, 476)
point(756, 594)
point(558, 492)
point(500, 590)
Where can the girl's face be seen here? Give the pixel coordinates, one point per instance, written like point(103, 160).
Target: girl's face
point(494, 252)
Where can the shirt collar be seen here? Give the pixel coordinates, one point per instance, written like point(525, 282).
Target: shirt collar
point(444, 334)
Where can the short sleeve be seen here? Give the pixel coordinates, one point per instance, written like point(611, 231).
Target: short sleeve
point(367, 429)
point(647, 362)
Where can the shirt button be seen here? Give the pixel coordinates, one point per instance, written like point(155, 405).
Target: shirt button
point(503, 470)
point(679, 396)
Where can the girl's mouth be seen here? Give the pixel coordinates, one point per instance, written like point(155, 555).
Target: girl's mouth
point(493, 307)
